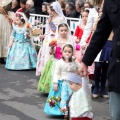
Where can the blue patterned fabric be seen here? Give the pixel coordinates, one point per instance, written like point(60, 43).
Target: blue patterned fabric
point(22, 55)
point(63, 92)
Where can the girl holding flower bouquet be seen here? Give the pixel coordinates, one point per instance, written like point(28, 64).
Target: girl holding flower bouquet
point(60, 87)
point(56, 46)
point(21, 54)
point(55, 16)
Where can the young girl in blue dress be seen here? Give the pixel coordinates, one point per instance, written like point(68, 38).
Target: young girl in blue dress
point(21, 54)
point(60, 87)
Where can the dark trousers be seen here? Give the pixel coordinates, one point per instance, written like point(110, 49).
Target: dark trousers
point(100, 74)
point(2, 60)
point(83, 118)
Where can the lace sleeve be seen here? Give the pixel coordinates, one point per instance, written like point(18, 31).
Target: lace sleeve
point(57, 72)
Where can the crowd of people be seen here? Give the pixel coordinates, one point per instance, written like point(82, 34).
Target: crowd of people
point(59, 58)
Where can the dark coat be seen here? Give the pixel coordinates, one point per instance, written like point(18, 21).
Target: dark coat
point(73, 14)
point(31, 10)
point(38, 6)
point(110, 20)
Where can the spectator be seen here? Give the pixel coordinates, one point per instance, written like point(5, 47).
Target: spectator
point(73, 1)
point(5, 25)
point(79, 4)
point(44, 8)
point(15, 5)
point(88, 5)
point(22, 5)
point(70, 10)
point(38, 5)
point(30, 6)
point(62, 3)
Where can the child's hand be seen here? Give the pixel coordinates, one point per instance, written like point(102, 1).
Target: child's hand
point(42, 37)
point(28, 36)
point(63, 110)
point(55, 87)
point(77, 40)
point(51, 50)
point(83, 47)
point(10, 44)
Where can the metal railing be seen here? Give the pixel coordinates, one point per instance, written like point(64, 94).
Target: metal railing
point(73, 22)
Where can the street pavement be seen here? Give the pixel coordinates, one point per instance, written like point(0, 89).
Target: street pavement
point(20, 100)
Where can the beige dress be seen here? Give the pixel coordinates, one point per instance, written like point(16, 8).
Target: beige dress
point(5, 32)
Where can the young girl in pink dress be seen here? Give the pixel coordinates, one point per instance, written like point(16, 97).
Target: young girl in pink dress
point(56, 15)
point(63, 37)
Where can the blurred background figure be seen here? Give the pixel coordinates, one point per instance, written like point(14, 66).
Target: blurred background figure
point(88, 5)
point(62, 3)
point(30, 7)
point(38, 5)
point(44, 8)
point(70, 10)
point(22, 6)
point(73, 1)
point(5, 27)
point(79, 6)
point(15, 5)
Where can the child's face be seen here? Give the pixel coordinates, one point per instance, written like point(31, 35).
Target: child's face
point(75, 87)
point(43, 8)
point(18, 21)
point(63, 31)
point(84, 17)
point(67, 52)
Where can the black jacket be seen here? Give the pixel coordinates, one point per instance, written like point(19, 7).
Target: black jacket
point(38, 6)
point(110, 20)
point(31, 10)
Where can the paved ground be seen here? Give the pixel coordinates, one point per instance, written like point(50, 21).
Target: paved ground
point(19, 99)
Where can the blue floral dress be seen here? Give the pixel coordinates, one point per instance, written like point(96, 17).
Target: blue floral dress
point(22, 55)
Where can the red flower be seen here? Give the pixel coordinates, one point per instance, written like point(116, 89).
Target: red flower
point(53, 101)
point(53, 43)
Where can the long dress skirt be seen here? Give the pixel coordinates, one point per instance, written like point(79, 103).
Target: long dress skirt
point(63, 92)
point(45, 80)
point(21, 56)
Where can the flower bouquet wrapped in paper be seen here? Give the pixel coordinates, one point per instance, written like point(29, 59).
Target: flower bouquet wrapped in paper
point(53, 101)
point(36, 31)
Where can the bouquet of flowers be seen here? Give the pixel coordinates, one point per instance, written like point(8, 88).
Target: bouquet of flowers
point(28, 29)
point(53, 101)
point(53, 43)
